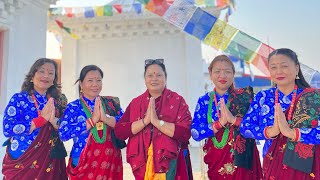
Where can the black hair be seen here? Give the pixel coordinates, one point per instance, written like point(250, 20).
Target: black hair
point(301, 82)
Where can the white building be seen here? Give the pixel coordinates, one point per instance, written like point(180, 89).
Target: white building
point(119, 45)
point(23, 26)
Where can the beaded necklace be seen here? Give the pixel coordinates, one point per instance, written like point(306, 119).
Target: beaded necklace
point(36, 103)
point(291, 104)
point(226, 131)
point(94, 129)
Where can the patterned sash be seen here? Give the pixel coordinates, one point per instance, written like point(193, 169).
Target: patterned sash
point(45, 157)
point(240, 100)
point(35, 162)
point(298, 155)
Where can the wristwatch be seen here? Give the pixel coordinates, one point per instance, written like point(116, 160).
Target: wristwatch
point(161, 122)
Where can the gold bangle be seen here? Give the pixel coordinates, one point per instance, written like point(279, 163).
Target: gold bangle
point(221, 123)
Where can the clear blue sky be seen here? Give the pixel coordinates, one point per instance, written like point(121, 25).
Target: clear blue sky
point(292, 24)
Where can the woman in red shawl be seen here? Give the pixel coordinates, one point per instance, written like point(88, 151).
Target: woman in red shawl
point(34, 149)
point(157, 124)
point(217, 118)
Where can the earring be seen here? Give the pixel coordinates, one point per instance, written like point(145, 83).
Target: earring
point(31, 81)
point(297, 76)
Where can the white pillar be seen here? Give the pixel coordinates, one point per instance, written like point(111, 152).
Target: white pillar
point(194, 75)
point(69, 68)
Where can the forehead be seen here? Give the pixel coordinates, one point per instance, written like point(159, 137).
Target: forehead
point(221, 65)
point(47, 66)
point(154, 68)
point(93, 74)
point(279, 59)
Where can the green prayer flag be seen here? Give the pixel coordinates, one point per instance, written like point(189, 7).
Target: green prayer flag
point(107, 10)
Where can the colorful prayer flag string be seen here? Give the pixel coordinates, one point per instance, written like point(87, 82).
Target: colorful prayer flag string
point(68, 30)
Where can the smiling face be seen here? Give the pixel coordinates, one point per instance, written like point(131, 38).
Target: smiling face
point(92, 84)
point(283, 70)
point(221, 75)
point(155, 79)
point(44, 77)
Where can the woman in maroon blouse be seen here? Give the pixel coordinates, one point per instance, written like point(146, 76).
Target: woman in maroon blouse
point(157, 124)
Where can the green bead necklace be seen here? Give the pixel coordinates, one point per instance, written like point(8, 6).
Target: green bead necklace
point(94, 130)
point(226, 131)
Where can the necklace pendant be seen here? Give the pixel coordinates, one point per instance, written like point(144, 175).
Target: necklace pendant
point(230, 142)
point(99, 126)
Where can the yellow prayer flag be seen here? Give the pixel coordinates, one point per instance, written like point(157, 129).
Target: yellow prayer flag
point(220, 35)
point(200, 2)
point(74, 36)
point(99, 10)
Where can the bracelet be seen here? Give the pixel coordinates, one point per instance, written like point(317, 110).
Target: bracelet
point(221, 123)
point(39, 121)
point(265, 133)
point(217, 125)
point(297, 135)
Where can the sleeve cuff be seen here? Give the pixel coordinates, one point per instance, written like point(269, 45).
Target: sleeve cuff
point(117, 118)
point(39, 121)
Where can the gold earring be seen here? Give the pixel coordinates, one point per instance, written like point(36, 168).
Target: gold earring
point(297, 76)
point(31, 81)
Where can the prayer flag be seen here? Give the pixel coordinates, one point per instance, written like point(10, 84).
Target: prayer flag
point(243, 46)
point(179, 13)
point(220, 35)
point(60, 24)
point(261, 58)
point(88, 12)
point(200, 24)
point(118, 8)
point(68, 12)
point(99, 10)
point(158, 7)
point(108, 10)
point(137, 7)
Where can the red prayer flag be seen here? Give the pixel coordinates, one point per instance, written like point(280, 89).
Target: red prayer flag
point(68, 12)
point(222, 3)
point(60, 24)
point(158, 7)
point(261, 59)
point(118, 7)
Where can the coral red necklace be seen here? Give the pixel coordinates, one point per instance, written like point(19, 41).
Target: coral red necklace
point(291, 104)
